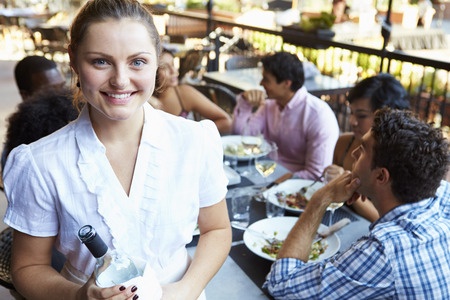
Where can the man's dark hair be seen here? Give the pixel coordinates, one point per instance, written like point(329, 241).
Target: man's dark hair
point(48, 110)
point(415, 153)
point(383, 90)
point(285, 66)
point(28, 66)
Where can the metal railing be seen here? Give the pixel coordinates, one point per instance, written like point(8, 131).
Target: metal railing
point(426, 80)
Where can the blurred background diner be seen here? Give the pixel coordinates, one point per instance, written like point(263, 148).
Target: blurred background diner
point(216, 48)
point(183, 99)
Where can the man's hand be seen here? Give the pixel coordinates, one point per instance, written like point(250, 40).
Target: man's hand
point(298, 242)
point(340, 189)
point(254, 97)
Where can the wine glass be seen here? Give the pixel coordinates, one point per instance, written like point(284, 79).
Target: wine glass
point(251, 140)
point(329, 175)
point(266, 164)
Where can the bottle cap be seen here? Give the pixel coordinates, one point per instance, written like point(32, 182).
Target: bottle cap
point(93, 241)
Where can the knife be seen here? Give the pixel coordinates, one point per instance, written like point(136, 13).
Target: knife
point(332, 229)
point(277, 181)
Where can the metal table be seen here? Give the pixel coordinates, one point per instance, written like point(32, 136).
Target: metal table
point(243, 273)
point(245, 79)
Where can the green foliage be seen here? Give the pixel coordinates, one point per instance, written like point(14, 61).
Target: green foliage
point(195, 4)
point(325, 21)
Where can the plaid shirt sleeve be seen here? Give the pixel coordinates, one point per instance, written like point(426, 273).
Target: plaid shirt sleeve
point(362, 272)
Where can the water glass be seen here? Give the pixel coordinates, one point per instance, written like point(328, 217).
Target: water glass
point(329, 175)
point(240, 207)
point(251, 140)
point(274, 210)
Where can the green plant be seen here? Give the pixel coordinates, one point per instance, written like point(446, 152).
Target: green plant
point(324, 21)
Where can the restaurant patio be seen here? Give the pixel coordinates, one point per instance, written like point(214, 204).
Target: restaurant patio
point(342, 59)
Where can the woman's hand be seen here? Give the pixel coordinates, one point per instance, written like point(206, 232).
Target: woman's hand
point(174, 291)
point(91, 291)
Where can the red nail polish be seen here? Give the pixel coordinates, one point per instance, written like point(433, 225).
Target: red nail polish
point(122, 288)
point(134, 289)
point(135, 297)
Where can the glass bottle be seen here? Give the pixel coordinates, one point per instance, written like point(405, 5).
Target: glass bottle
point(112, 267)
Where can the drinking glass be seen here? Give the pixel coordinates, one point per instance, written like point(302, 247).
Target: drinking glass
point(275, 210)
point(329, 175)
point(240, 207)
point(266, 165)
point(251, 140)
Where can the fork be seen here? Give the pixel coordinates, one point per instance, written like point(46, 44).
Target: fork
point(259, 234)
point(304, 189)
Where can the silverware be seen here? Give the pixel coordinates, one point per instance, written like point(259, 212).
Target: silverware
point(262, 235)
point(259, 194)
point(277, 181)
point(304, 189)
point(332, 229)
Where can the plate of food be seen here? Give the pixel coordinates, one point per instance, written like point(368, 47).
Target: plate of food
point(289, 192)
point(278, 228)
point(244, 148)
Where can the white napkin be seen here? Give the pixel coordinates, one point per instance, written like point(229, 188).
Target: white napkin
point(335, 227)
point(147, 284)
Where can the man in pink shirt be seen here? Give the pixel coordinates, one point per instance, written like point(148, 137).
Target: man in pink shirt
point(304, 127)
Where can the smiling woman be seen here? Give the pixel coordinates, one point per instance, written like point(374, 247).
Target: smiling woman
point(116, 164)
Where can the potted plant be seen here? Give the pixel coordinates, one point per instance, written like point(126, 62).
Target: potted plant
point(320, 25)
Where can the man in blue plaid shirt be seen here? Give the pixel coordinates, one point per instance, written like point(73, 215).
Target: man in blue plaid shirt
point(406, 254)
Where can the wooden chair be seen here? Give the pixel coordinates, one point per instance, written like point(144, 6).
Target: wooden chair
point(218, 94)
point(241, 62)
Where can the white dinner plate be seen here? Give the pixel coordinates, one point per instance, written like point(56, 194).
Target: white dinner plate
point(230, 140)
point(292, 186)
point(282, 226)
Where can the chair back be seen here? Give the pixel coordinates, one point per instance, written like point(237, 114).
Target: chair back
point(6, 237)
point(241, 62)
point(218, 94)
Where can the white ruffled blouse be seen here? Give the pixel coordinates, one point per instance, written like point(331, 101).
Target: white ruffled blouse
point(64, 181)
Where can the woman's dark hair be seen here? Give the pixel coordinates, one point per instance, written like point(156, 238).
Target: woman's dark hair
point(160, 85)
point(47, 110)
point(383, 90)
point(285, 66)
point(415, 153)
